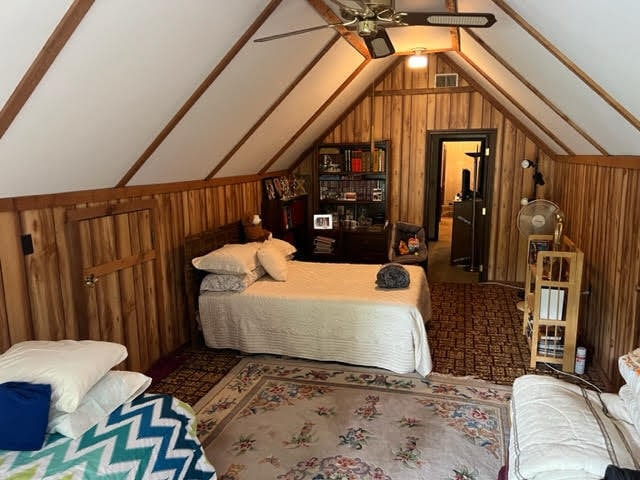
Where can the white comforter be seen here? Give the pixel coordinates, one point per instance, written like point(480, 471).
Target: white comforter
point(561, 432)
point(325, 311)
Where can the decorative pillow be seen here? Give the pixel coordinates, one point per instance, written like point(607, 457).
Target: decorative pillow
point(285, 247)
point(114, 389)
point(274, 262)
point(393, 275)
point(235, 258)
point(403, 249)
point(24, 408)
point(629, 366)
point(228, 282)
point(71, 367)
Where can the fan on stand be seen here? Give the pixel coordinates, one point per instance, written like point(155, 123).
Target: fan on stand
point(540, 217)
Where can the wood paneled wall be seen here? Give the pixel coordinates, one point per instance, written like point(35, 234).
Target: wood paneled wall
point(602, 209)
point(37, 290)
point(405, 108)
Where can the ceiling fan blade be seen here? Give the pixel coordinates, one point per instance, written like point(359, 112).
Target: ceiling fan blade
point(452, 19)
point(380, 45)
point(297, 32)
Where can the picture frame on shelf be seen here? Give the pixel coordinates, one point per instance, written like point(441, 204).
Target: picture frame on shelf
point(322, 221)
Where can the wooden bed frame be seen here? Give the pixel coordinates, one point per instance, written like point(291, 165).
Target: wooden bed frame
point(196, 246)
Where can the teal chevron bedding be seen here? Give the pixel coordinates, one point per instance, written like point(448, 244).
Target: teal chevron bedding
point(152, 437)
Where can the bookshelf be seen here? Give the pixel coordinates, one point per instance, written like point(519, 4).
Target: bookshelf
point(350, 184)
point(284, 212)
point(552, 300)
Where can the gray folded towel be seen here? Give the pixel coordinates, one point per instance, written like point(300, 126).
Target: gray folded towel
point(392, 275)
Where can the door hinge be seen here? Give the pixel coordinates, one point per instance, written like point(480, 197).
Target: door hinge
point(481, 268)
point(487, 152)
point(484, 210)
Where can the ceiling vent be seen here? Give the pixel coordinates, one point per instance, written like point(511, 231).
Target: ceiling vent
point(446, 80)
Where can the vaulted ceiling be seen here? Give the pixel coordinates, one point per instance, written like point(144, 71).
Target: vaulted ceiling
point(106, 93)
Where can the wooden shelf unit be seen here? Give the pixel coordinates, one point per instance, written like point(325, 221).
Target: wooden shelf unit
point(552, 300)
point(350, 182)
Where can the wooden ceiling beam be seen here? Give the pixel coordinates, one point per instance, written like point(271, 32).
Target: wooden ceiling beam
point(330, 17)
point(202, 88)
point(535, 91)
point(49, 52)
point(452, 6)
point(275, 105)
point(562, 58)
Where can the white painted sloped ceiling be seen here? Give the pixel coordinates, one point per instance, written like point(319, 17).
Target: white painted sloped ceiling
point(105, 93)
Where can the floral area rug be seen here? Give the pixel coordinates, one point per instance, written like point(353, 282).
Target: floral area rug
point(273, 418)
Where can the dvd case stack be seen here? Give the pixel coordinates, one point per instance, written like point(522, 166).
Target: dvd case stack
point(323, 245)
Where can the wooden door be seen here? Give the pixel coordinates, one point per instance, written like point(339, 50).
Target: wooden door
point(116, 272)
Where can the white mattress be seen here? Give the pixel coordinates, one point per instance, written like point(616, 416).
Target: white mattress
point(325, 311)
point(561, 432)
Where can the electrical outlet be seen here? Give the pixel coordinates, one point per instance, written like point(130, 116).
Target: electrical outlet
point(27, 244)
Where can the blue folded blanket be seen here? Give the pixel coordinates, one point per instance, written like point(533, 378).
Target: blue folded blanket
point(392, 275)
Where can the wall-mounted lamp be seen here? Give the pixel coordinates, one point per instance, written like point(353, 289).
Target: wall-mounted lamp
point(538, 179)
point(527, 163)
point(418, 59)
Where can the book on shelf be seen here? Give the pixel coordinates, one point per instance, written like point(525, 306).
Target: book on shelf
point(319, 240)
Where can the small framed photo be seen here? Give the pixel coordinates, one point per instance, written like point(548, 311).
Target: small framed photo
point(322, 221)
point(268, 186)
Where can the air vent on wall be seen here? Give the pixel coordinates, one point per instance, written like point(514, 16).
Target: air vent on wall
point(446, 80)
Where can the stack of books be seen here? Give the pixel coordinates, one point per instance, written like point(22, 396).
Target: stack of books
point(323, 244)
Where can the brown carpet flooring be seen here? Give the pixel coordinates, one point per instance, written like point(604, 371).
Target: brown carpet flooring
point(475, 330)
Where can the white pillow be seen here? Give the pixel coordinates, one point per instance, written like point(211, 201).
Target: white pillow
point(632, 403)
point(285, 247)
point(71, 367)
point(273, 261)
point(111, 391)
point(236, 258)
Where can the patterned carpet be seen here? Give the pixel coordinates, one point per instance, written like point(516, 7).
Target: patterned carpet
point(475, 330)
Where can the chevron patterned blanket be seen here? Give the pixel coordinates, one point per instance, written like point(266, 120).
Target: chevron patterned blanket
point(152, 437)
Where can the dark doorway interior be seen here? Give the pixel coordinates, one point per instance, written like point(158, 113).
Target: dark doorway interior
point(470, 204)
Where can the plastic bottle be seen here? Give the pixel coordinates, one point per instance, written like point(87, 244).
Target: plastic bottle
point(581, 358)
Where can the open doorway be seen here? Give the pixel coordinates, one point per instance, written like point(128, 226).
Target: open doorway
point(459, 173)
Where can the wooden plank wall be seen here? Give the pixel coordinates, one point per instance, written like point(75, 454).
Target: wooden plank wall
point(48, 311)
point(406, 107)
point(602, 209)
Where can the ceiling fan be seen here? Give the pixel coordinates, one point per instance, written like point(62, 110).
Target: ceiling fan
point(373, 16)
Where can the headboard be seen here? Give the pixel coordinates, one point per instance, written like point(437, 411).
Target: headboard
point(196, 246)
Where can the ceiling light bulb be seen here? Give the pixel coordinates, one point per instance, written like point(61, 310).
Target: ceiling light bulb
point(417, 60)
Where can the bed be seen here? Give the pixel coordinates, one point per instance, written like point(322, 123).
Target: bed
point(68, 412)
point(150, 437)
point(561, 431)
point(323, 311)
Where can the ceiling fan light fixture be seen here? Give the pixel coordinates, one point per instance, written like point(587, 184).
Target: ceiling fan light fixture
point(379, 45)
point(418, 59)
